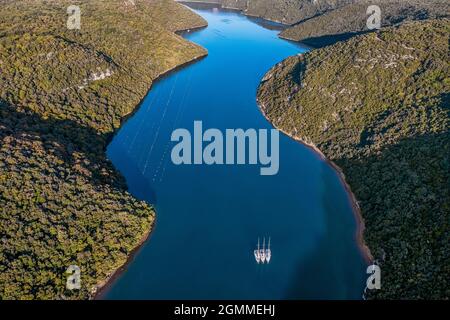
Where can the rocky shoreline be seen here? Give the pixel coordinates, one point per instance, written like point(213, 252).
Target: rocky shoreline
point(371, 118)
point(100, 288)
point(359, 235)
point(56, 122)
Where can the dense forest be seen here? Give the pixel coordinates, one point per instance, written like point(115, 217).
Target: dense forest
point(378, 106)
point(288, 12)
point(323, 22)
point(63, 93)
point(351, 19)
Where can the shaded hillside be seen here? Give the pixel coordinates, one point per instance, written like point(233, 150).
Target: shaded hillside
point(352, 19)
point(283, 11)
point(291, 11)
point(378, 106)
point(323, 22)
point(62, 94)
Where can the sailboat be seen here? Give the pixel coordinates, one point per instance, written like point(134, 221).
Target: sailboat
point(262, 252)
point(257, 255)
point(268, 253)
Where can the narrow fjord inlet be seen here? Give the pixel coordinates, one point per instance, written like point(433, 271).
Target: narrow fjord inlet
point(209, 218)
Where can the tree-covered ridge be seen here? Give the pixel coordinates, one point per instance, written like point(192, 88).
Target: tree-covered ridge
point(322, 22)
point(62, 94)
point(378, 106)
point(62, 204)
point(116, 41)
point(351, 19)
point(284, 11)
point(291, 11)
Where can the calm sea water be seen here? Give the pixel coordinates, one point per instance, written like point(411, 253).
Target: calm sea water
point(210, 217)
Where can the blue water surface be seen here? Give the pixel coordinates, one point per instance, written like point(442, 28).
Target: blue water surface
point(210, 217)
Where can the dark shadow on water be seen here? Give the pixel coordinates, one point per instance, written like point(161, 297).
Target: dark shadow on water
point(267, 24)
point(323, 41)
point(323, 274)
point(140, 187)
point(403, 192)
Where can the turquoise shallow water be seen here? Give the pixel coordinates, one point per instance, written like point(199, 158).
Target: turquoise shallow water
point(210, 217)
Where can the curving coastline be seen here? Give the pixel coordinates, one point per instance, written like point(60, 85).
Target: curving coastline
point(101, 287)
point(359, 234)
point(159, 283)
point(55, 135)
point(385, 124)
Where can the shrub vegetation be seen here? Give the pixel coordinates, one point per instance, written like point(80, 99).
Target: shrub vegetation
point(62, 95)
point(378, 106)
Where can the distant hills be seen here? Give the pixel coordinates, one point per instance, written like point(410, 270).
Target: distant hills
point(351, 19)
point(322, 22)
point(284, 11)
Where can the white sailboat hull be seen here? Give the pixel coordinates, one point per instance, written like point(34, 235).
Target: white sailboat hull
point(262, 255)
point(257, 256)
point(268, 255)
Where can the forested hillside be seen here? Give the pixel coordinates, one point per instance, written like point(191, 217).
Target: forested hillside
point(291, 11)
point(351, 19)
point(378, 106)
point(323, 22)
point(62, 94)
point(283, 11)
